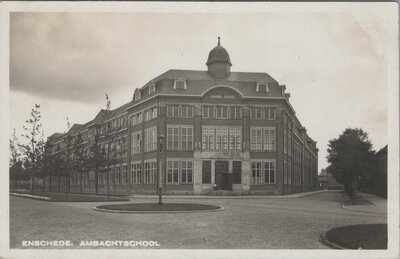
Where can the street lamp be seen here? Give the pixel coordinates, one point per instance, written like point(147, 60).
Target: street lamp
point(161, 138)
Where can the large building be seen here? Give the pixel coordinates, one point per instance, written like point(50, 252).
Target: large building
point(225, 132)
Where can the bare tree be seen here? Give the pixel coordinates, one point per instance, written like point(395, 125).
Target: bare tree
point(34, 148)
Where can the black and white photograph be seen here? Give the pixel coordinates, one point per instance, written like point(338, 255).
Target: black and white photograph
point(199, 130)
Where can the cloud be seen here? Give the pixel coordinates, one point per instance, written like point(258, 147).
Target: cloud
point(64, 56)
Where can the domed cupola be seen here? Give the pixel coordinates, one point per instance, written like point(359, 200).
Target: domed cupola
point(219, 64)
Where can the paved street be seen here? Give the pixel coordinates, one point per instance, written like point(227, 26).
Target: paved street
point(270, 223)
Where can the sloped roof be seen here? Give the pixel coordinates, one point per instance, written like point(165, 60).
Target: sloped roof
point(205, 75)
point(55, 137)
point(76, 128)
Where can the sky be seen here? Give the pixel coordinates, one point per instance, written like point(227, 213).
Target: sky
point(333, 63)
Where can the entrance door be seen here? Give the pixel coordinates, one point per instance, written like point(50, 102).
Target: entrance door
point(223, 180)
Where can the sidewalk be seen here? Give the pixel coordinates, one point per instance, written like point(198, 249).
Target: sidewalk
point(173, 196)
point(379, 205)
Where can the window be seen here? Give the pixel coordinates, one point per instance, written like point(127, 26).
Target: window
point(206, 172)
point(173, 171)
point(262, 172)
point(137, 94)
point(150, 139)
point(153, 113)
point(187, 138)
point(172, 138)
point(235, 112)
point(180, 84)
point(136, 142)
point(118, 174)
point(124, 173)
point(269, 172)
point(256, 113)
point(152, 87)
point(235, 137)
point(136, 119)
point(179, 137)
point(150, 172)
point(224, 138)
point(270, 113)
point(186, 171)
point(222, 112)
point(186, 111)
point(256, 176)
point(136, 173)
point(146, 115)
point(173, 111)
point(269, 139)
point(262, 139)
point(207, 111)
point(256, 139)
point(262, 87)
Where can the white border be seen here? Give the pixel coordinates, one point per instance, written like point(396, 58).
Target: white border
point(391, 10)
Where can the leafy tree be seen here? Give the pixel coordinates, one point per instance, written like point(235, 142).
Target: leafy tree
point(81, 162)
point(15, 163)
point(109, 138)
point(34, 148)
point(351, 159)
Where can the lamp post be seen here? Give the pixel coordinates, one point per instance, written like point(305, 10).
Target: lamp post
point(161, 138)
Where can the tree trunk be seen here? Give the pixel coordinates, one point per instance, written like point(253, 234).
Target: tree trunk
point(32, 187)
point(354, 192)
point(81, 182)
point(96, 180)
point(59, 183)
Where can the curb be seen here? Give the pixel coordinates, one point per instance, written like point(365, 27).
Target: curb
point(289, 196)
point(361, 211)
point(156, 212)
point(324, 240)
point(30, 196)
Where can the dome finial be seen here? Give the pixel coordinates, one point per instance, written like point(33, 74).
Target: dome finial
point(218, 40)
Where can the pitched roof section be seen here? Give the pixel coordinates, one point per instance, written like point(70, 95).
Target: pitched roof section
point(205, 75)
point(55, 137)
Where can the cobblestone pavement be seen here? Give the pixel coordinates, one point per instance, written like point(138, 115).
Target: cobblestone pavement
point(290, 223)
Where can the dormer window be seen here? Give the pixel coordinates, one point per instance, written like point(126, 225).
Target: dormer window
point(262, 87)
point(138, 94)
point(180, 84)
point(152, 87)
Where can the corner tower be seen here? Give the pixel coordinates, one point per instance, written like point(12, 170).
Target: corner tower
point(218, 62)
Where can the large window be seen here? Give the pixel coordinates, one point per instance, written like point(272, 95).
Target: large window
point(136, 142)
point(150, 172)
point(173, 137)
point(263, 172)
point(179, 137)
point(224, 138)
point(136, 172)
point(124, 173)
point(179, 171)
point(186, 138)
point(173, 171)
point(186, 171)
point(150, 139)
point(262, 138)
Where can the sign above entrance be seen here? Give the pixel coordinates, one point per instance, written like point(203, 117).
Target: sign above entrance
point(214, 96)
point(222, 95)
